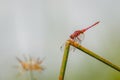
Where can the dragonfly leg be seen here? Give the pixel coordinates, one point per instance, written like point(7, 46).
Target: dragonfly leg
point(79, 40)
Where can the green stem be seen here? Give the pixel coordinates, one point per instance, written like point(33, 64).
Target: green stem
point(64, 61)
point(94, 55)
point(76, 45)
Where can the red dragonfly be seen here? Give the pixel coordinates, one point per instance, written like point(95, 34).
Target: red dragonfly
point(76, 36)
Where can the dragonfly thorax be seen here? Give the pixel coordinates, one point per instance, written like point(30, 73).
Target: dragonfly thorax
point(76, 34)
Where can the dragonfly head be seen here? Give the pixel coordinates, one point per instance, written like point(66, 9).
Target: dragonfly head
point(72, 36)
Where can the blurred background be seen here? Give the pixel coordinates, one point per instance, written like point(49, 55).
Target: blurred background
point(39, 27)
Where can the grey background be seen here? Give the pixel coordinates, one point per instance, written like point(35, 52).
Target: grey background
point(40, 27)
